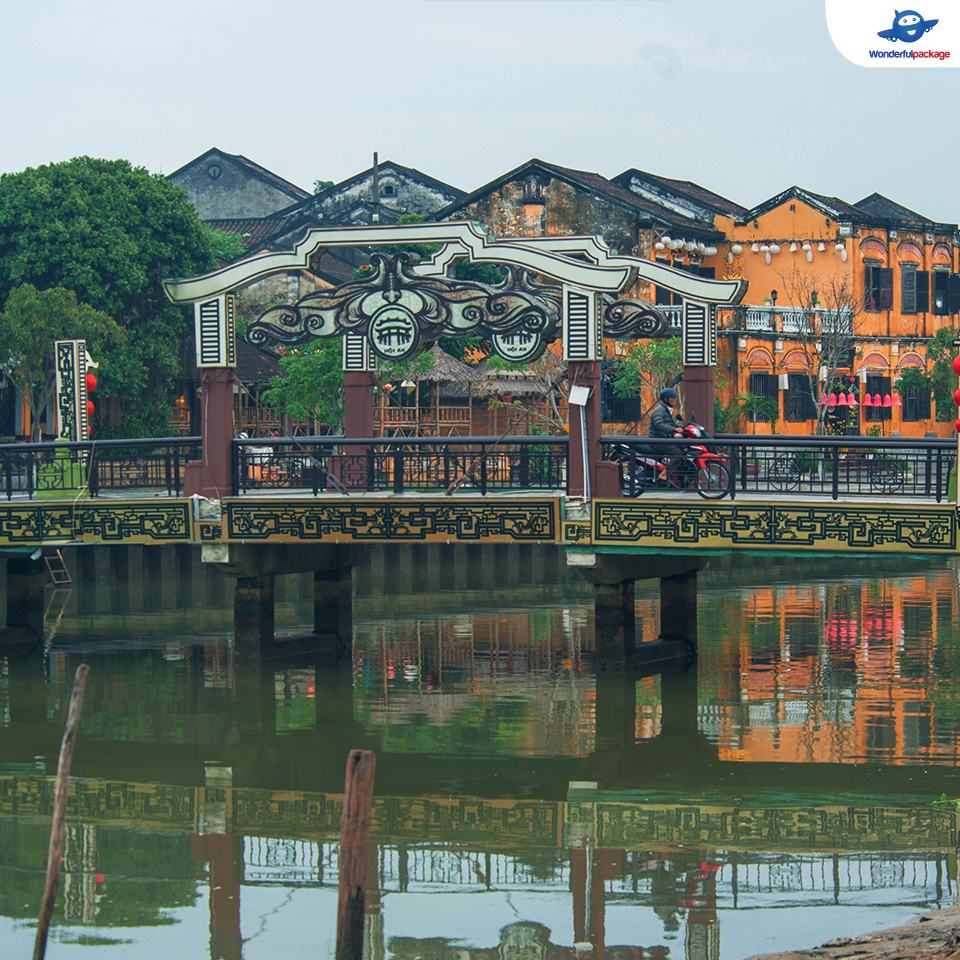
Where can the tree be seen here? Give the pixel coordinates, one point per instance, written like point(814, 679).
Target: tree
point(647, 367)
point(320, 185)
point(757, 408)
point(110, 233)
point(943, 381)
point(823, 327)
point(224, 246)
point(310, 382)
point(30, 323)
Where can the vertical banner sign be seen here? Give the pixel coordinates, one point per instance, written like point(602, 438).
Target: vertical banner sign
point(699, 334)
point(581, 325)
point(356, 353)
point(72, 362)
point(215, 332)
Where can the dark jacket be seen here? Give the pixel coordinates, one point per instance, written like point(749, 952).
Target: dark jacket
point(662, 423)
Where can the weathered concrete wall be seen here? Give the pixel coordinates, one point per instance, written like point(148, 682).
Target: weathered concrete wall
point(219, 190)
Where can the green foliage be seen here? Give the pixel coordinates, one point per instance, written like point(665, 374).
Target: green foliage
point(913, 378)
point(310, 382)
point(647, 367)
point(30, 323)
point(320, 185)
point(224, 246)
point(757, 408)
point(110, 233)
point(941, 351)
point(478, 272)
point(423, 250)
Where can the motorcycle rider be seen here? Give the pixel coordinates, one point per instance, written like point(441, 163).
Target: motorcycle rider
point(663, 423)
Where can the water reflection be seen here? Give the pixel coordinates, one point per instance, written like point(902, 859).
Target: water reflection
point(523, 806)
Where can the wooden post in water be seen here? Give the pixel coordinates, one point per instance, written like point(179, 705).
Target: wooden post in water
point(354, 829)
point(60, 812)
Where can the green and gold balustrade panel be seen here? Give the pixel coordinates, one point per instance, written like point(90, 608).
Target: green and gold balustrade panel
point(85, 521)
point(740, 525)
point(492, 823)
point(522, 520)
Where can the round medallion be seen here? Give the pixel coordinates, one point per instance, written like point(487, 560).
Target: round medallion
point(214, 171)
point(393, 333)
point(519, 347)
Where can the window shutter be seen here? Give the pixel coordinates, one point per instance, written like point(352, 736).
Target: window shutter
point(923, 291)
point(923, 405)
point(886, 288)
point(908, 288)
point(869, 293)
point(955, 292)
point(941, 285)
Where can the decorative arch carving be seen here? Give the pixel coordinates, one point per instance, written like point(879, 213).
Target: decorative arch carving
point(758, 356)
point(942, 253)
point(796, 358)
point(872, 245)
point(908, 250)
point(911, 360)
point(875, 360)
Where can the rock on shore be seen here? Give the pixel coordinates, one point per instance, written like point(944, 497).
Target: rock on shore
point(935, 936)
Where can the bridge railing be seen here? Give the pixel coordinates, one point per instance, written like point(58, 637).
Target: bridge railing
point(61, 470)
point(401, 464)
point(915, 468)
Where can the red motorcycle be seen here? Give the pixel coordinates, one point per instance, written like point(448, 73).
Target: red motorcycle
point(644, 467)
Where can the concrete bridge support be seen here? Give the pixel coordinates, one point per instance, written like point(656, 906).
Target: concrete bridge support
point(25, 578)
point(613, 577)
point(256, 568)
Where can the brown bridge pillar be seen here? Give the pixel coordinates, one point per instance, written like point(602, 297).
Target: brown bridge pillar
point(613, 577)
point(257, 566)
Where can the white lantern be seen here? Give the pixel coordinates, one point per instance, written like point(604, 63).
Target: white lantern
point(710, 252)
point(821, 248)
point(839, 247)
point(658, 246)
point(755, 248)
point(809, 254)
point(793, 247)
point(736, 248)
point(806, 247)
point(774, 247)
point(768, 256)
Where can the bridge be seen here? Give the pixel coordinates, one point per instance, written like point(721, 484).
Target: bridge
point(266, 507)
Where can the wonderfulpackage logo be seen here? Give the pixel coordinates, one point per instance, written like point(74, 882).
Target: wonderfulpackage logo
point(856, 26)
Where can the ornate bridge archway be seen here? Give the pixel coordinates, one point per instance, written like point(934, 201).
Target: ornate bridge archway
point(553, 287)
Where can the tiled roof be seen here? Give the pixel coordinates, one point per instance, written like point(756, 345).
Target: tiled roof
point(596, 184)
point(689, 189)
point(255, 365)
point(252, 230)
point(269, 175)
point(880, 206)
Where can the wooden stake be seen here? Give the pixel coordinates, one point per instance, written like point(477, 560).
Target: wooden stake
point(354, 830)
point(60, 812)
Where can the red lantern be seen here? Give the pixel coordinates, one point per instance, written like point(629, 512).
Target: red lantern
point(91, 382)
point(823, 400)
point(888, 401)
point(832, 402)
point(877, 402)
point(897, 402)
point(957, 425)
point(852, 400)
point(956, 365)
point(868, 400)
point(956, 396)
point(89, 408)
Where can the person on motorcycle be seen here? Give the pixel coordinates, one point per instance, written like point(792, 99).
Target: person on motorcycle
point(663, 424)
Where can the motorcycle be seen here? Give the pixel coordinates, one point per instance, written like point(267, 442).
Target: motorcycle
point(644, 467)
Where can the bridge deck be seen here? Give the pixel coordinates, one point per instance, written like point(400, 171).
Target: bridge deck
point(653, 523)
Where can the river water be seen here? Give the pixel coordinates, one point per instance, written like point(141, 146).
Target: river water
point(783, 794)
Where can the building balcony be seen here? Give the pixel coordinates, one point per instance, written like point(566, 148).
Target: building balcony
point(792, 320)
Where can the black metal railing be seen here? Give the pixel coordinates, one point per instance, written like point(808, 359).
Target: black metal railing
point(917, 468)
point(64, 470)
point(401, 464)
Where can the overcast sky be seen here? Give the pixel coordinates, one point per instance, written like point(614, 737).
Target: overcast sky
point(745, 98)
